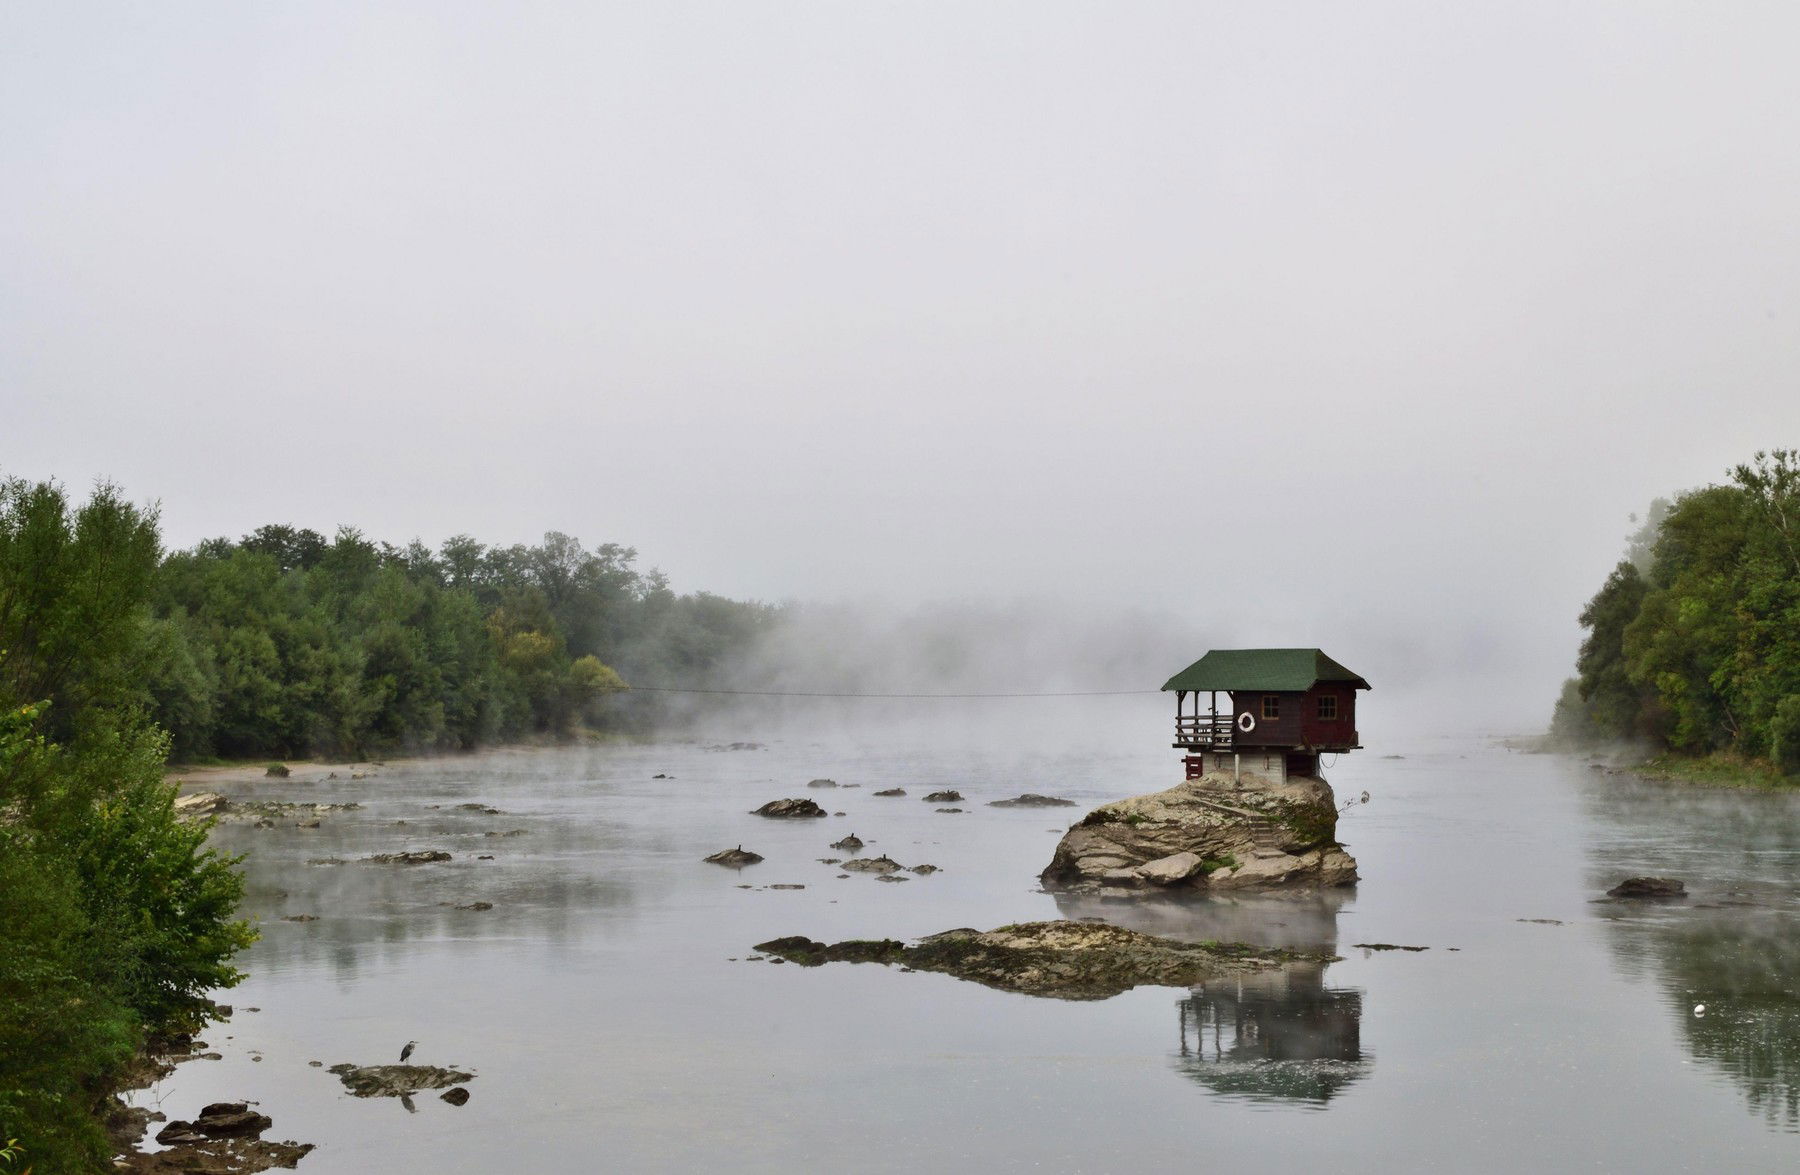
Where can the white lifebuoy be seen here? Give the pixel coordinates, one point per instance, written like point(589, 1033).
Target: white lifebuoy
point(1246, 722)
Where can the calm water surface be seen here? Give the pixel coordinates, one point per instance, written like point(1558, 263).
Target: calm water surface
point(605, 1004)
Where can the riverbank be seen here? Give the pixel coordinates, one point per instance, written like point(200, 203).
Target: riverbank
point(257, 769)
point(1720, 769)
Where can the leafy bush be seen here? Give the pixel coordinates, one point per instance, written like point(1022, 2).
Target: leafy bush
point(1784, 731)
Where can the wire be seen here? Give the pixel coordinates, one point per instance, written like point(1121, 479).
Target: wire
point(765, 693)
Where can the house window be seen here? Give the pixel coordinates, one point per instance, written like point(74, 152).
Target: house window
point(1271, 706)
point(1327, 708)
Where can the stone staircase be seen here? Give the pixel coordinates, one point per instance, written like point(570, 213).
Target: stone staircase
point(1266, 836)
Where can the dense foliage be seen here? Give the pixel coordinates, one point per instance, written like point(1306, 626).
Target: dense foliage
point(1693, 643)
point(287, 644)
point(115, 920)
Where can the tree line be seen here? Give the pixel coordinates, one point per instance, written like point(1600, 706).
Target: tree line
point(1693, 641)
point(286, 644)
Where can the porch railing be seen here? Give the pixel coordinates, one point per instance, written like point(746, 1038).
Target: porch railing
point(1211, 731)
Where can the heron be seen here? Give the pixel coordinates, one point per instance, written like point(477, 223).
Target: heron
point(407, 1051)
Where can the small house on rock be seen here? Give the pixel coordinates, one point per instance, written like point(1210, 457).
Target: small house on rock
point(1286, 708)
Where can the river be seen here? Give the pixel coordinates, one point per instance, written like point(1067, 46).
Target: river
point(607, 1006)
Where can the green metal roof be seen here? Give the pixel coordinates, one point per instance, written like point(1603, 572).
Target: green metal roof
point(1279, 670)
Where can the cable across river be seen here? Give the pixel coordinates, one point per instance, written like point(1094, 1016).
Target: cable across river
point(760, 693)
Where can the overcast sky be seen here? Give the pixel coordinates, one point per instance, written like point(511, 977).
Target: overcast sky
point(1356, 325)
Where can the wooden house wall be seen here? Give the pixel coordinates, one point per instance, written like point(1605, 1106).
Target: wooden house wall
point(1340, 732)
point(1299, 724)
point(1284, 731)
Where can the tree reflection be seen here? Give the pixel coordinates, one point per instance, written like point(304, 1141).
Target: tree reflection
point(1744, 969)
point(1735, 948)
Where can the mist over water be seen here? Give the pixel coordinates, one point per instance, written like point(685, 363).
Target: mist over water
point(949, 654)
point(605, 1003)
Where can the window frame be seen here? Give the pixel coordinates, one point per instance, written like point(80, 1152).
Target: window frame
point(1328, 701)
point(1271, 707)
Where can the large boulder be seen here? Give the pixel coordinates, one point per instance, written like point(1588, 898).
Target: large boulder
point(1213, 833)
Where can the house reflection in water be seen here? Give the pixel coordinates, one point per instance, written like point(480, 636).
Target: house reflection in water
point(1275, 1036)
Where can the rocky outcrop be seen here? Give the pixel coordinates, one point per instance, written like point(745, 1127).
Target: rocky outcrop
point(789, 809)
point(219, 1120)
point(223, 1137)
point(396, 1080)
point(1213, 833)
point(944, 797)
point(1064, 960)
point(1033, 800)
point(200, 805)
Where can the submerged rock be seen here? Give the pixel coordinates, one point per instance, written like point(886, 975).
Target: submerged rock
point(417, 857)
point(789, 809)
point(872, 865)
point(944, 797)
point(262, 813)
point(1648, 887)
point(891, 791)
point(822, 783)
point(396, 1080)
point(1213, 833)
point(1064, 960)
point(459, 1096)
point(735, 858)
point(849, 844)
point(1033, 800)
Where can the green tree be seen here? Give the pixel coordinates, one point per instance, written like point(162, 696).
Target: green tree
point(116, 920)
point(1614, 703)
